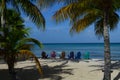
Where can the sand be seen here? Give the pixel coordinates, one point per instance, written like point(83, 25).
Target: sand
point(57, 69)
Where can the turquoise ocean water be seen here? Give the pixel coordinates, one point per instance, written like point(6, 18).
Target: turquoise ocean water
point(96, 50)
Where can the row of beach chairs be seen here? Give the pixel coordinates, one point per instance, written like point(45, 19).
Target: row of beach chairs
point(71, 55)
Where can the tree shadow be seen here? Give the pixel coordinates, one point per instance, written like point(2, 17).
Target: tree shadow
point(115, 65)
point(31, 73)
point(100, 67)
point(21, 74)
point(4, 74)
point(53, 73)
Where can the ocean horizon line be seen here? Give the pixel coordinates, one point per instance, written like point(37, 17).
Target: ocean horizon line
point(84, 43)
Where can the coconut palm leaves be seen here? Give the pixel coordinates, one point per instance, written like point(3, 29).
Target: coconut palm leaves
point(32, 11)
point(82, 15)
point(15, 42)
point(23, 41)
point(113, 21)
point(27, 6)
point(47, 3)
point(22, 47)
point(29, 54)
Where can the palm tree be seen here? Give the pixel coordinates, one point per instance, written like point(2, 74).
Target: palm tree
point(27, 6)
point(16, 48)
point(16, 43)
point(83, 13)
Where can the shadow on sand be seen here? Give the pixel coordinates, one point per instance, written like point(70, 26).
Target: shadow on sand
point(31, 73)
point(115, 65)
point(53, 73)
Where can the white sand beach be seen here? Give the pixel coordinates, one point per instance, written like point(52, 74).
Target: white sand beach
point(57, 69)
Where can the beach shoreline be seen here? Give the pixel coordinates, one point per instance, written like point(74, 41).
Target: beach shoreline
point(58, 69)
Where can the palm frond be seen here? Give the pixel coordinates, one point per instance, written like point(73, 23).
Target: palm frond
point(27, 46)
point(63, 13)
point(48, 3)
point(33, 12)
point(24, 41)
point(99, 28)
point(113, 20)
point(29, 54)
point(14, 4)
point(71, 11)
point(116, 4)
point(85, 21)
point(34, 41)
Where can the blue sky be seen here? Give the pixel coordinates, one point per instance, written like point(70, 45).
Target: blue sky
point(59, 33)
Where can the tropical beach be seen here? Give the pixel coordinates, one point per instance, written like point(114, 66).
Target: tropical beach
point(58, 69)
point(75, 41)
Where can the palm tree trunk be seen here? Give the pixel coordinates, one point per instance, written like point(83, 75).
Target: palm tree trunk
point(107, 56)
point(10, 62)
point(2, 18)
point(2, 14)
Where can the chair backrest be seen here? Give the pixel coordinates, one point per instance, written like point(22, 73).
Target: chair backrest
point(62, 55)
point(78, 56)
point(43, 54)
point(71, 56)
point(53, 54)
point(87, 55)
